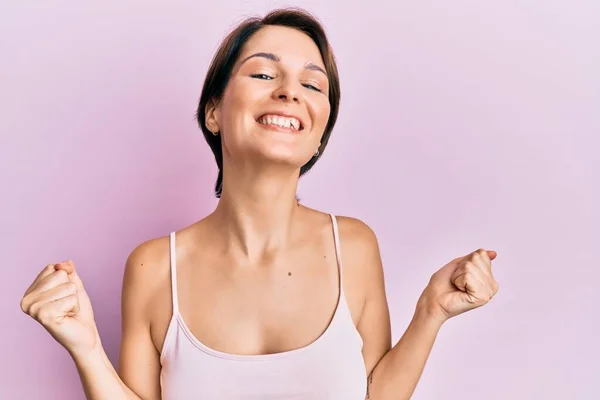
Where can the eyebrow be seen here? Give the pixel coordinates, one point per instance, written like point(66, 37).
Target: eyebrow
point(273, 57)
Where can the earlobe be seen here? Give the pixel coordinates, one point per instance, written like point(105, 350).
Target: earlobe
point(211, 113)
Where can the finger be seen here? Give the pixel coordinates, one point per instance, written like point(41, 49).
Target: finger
point(56, 293)
point(483, 253)
point(58, 309)
point(467, 283)
point(54, 279)
point(475, 281)
point(47, 270)
point(482, 260)
point(489, 254)
point(468, 277)
point(48, 282)
point(69, 267)
point(68, 306)
point(460, 281)
point(471, 287)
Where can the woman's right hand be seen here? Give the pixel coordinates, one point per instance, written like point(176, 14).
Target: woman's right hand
point(58, 301)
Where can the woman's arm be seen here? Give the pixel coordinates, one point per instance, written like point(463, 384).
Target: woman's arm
point(139, 365)
point(393, 373)
point(100, 380)
point(58, 301)
point(398, 372)
point(145, 276)
point(461, 285)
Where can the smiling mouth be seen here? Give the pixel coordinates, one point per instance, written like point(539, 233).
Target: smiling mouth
point(279, 121)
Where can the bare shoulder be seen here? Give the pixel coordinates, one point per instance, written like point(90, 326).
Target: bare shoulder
point(362, 255)
point(358, 244)
point(145, 279)
point(147, 260)
point(146, 272)
point(358, 241)
point(363, 270)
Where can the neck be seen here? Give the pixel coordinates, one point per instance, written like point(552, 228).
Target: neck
point(256, 210)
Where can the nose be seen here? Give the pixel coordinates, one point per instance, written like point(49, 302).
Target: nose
point(287, 91)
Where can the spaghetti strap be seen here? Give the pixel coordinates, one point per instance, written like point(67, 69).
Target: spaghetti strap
point(336, 238)
point(173, 274)
point(331, 366)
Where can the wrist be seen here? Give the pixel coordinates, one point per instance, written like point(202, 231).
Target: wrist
point(92, 355)
point(428, 312)
point(428, 320)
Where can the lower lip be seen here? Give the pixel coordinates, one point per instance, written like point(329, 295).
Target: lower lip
point(277, 128)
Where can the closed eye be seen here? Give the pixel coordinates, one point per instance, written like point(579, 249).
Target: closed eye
point(311, 87)
point(262, 76)
point(268, 78)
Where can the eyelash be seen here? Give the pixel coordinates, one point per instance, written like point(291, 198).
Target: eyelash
point(268, 78)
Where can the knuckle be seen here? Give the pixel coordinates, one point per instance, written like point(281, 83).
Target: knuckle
point(43, 316)
point(24, 305)
point(73, 301)
point(61, 276)
point(71, 288)
point(33, 310)
point(35, 306)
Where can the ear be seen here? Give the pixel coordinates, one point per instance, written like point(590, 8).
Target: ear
point(212, 114)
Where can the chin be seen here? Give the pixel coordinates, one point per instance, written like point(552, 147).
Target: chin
point(285, 156)
point(276, 147)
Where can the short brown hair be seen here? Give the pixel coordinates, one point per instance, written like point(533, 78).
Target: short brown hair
point(220, 69)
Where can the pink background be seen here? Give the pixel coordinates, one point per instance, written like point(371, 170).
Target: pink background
point(463, 124)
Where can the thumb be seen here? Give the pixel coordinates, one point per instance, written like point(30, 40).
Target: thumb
point(69, 268)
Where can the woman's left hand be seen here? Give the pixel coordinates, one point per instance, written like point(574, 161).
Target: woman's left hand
point(461, 285)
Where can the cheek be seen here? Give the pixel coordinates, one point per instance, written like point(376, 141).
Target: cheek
point(321, 111)
point(238, 101)
point(232, 102)
point(232, 108)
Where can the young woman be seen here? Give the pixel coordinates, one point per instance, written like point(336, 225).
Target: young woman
point(264, 298)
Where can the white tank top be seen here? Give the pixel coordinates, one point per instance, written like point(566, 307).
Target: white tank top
point(331, 367)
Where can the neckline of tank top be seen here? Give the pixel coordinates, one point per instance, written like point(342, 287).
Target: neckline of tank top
point(334, 321)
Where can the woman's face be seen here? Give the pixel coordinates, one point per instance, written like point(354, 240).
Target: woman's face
point(276, 104)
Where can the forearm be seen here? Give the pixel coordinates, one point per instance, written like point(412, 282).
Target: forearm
point(100, 380)
point(398, 372)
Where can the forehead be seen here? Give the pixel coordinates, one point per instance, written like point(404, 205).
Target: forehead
point(288, 43)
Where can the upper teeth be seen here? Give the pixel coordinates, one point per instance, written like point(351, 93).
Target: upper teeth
point(284, 122)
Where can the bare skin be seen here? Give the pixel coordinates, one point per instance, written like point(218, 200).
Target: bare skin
point(248, 307)
point(245, 271)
